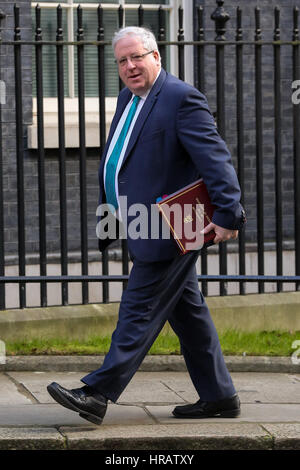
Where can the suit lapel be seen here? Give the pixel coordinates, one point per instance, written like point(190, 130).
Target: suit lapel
point(119, 111)
point(148, 105)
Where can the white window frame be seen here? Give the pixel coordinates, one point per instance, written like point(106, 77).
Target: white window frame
point(91, 104)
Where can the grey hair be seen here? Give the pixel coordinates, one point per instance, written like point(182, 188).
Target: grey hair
point(146, 37)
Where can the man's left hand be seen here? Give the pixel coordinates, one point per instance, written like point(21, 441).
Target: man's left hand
point(222, 234)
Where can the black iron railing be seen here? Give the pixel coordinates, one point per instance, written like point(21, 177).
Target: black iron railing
point(200, 44)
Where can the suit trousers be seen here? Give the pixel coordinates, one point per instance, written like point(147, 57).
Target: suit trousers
point(139, 325)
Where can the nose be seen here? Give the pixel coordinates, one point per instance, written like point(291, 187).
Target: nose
point(130, 64)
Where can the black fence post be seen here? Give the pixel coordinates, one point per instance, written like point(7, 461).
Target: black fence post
point(277, 142)
point(62, 155)
point(82, 155)
point(296, 145)
point(41, 154)
point(220, 17)
point(121, 18)
point(240, 136)
point(259, 150)
point(200, 51)
point(102, 129)
point(141, 15)
point(124, 245)
point(180, 38)
point(2, 257)
point(101, 79)
point(20, 155)
point(162, 35)
point(201, 86)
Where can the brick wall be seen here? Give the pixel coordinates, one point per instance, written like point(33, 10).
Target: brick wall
point(8, 113)
point(72, 164)
point(31, 156)
point(267, 27)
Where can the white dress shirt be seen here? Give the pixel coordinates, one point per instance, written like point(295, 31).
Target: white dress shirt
point(117, 133)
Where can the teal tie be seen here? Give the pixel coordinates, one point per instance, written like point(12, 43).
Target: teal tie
point(111, 166)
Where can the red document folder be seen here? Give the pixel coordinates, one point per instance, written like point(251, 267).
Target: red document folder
point(193, 212)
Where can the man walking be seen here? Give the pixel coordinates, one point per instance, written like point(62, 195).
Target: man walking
point(162, 137)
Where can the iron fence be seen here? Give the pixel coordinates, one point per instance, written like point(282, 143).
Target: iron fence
point(199, 44)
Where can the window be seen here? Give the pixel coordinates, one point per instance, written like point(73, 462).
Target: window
point(90, 25)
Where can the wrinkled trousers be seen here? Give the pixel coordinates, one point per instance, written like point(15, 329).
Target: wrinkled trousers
point(140, 322)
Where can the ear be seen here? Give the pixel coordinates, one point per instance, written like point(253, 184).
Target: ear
point(156, 56)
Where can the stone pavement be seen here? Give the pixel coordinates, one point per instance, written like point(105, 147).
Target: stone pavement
point(142, 419)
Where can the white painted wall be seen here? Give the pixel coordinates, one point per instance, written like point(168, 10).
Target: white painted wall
point(115, 289)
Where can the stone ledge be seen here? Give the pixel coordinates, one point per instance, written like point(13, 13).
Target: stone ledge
point(208, 436)
point(251, 312)
point(31, 438)
point(286, 436)
point(151, 363)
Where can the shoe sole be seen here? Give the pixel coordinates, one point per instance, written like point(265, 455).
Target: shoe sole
point(60, 398)
point(222, 414)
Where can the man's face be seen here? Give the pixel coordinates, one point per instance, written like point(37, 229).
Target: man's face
point(137, 76)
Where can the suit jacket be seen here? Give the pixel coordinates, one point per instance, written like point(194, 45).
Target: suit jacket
point(173, 143)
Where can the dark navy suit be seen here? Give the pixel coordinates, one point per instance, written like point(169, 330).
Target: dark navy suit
point(174, 142)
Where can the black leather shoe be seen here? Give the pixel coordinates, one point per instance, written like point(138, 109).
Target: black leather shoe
point(87, 402)
point(227, 408)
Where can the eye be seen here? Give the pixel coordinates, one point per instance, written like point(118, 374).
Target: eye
point(122, 61)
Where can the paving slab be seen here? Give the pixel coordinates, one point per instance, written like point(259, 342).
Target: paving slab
point(10, 392)
point(145, 387)
point(151, 388)
point(252, 387)
point(175, 387)
point(56, 415)
point(256, 413)
point(36, 382)
point(267, 387)
point(142, 418)
point(212, 436)
point(286, 435)
point(31, 439)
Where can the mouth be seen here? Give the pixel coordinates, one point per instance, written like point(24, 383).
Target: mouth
point(134, 77)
